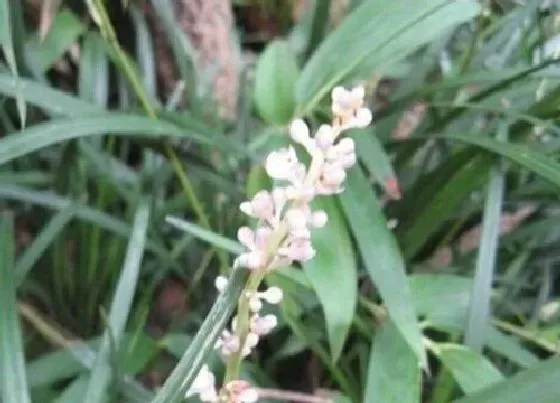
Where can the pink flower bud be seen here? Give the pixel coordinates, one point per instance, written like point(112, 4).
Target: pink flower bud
point(263, 325)
point(246, 236)
point(324, 137)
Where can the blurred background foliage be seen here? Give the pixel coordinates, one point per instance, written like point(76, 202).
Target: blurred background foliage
point(130, 131)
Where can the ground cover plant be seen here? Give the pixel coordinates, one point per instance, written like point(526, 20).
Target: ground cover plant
point(298, 201)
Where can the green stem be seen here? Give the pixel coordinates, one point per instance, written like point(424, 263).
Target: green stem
point(242, 329)
point(243, 311)
point(101, 17)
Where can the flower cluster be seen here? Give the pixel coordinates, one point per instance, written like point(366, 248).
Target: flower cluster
point(230, 342)
point(282, 235)
point(204, 386)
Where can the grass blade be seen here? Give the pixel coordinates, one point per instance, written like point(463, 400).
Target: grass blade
point(54, 132)
point(7, 46)
point(382, 258)
point(375, 158)
point(101, 373)
point(12, 360)
point(187, 369)
point(479, 312)
point(378, 33)
point(64, 31)
point(47, 235)
point(217, 240)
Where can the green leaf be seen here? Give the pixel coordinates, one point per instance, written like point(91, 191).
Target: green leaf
point(101, 373)
point(334, 268)
point(47, 235)
point(382, 257)
point(471, 370)
point(444, 200)
point(275, 78)
point(63, 32)
point(211, 237)
point(373, 155)
point(393, 373)
point(379, 33)
point(50, 100)
point(145, 52)
point(13, 379)
point(83, 212)
point(202, 345)
point(54, 132)
point(93, 81)
point(442, 300)
point(538, 384)
point(479, 313)
point(75, 391)
point(7, 46)
point(535, 161)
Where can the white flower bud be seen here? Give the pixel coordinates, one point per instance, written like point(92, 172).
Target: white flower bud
point(279, 164)
point(363, 117)
point(251, 341)
point(221, 283)
point(246, 236)
point(319, 219)
point(273, 295)
point(249, 395)
point(357, 94)
point(263, 325)
point(255, 304)
point(296, 218)
point(299, 132)
point(345, 146)
point(204, 386)
point(324, 137)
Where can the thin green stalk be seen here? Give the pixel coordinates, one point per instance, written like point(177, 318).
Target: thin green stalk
point(242, 330)
point(101, 18)
point(93, 261)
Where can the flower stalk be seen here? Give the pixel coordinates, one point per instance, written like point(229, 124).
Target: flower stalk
point(282, 236)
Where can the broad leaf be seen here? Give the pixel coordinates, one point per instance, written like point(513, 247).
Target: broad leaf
point(382, 257)
point(332, 273)
point(379, 34)
point(393, 373)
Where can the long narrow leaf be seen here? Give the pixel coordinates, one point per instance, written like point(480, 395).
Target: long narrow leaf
point(479, 313)
point(334, 268)
point(13, 379)
point(34, 251)
point(101, 373)
point(378, 33)
point(187, 369)
point(382, 258)
point(7, 46)
point(54, 132)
